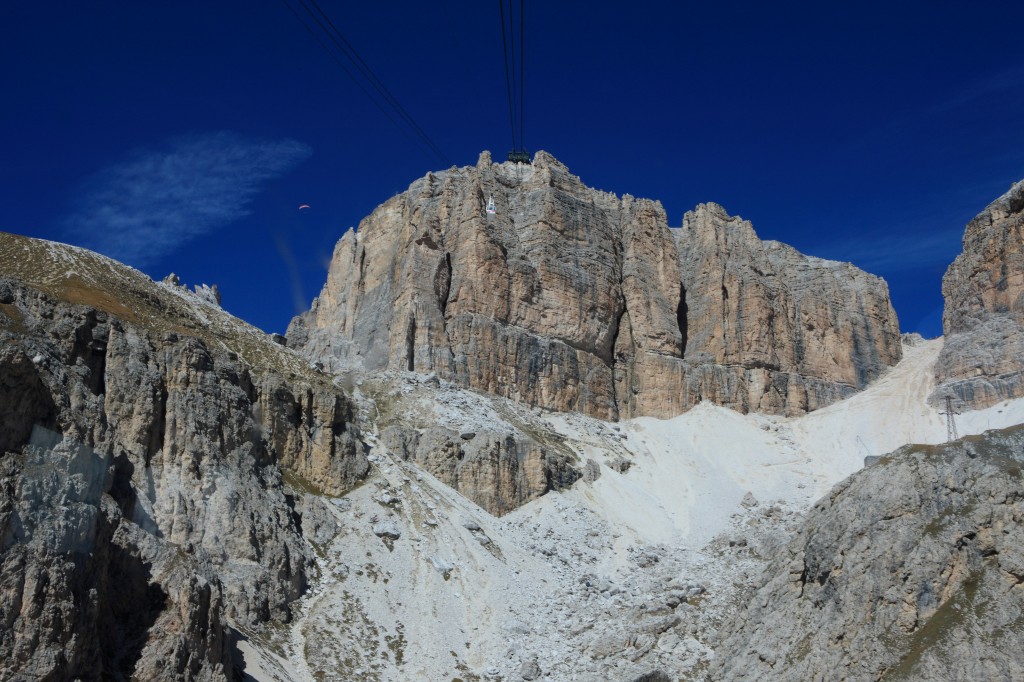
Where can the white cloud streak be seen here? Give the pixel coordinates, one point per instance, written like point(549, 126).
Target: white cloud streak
point(897, 252)
point(153, 202)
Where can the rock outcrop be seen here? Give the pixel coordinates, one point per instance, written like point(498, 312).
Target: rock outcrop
point(910, 569)
point(494, 452)
point(982, 361)
point(575, 299)
point(144, 443)
point(496, 470)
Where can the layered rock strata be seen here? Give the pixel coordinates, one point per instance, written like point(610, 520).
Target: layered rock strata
point(497, 470)
point(982, 361)
point(910, 569)
point(575, 299)
point(144, 443)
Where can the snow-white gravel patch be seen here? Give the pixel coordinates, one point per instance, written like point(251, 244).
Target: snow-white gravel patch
point(610, 579)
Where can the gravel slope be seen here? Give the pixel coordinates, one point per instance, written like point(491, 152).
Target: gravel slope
point(618, 576)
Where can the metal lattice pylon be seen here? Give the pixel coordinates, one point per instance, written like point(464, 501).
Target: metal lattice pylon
point(951, 434)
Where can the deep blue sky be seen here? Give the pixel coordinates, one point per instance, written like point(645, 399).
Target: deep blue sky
point(182, 136)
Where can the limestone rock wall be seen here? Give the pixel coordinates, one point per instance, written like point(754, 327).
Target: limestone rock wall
point(771, 329)
point(910, 569)
point(982, 361)
point(142, 506)
point(574, 299)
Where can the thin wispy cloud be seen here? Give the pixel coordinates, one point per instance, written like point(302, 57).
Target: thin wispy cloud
point(1007, 82)
point(299, 302)
point(999, 92)
point(158, 199)
point(897, 252)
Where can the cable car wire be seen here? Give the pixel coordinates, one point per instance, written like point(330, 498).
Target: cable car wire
point(512, 62)
point(508, 80)
point(515, 84)
point(376, 82)
point(341, 64)
point(522, 69)
point(345, 48)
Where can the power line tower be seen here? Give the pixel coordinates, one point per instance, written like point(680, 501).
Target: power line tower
point(951, 434)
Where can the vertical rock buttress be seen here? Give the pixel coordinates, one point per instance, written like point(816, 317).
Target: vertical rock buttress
point(983, 321)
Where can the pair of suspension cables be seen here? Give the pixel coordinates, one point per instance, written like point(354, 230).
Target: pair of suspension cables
point(512, 78)
point(315, 20)
point(323, 30)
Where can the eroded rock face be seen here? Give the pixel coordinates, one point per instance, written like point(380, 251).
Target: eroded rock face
point(773, 330)
point(575, 299)
point(498, 471)
point(982, 361)
point(142, 506)
point(910, 569)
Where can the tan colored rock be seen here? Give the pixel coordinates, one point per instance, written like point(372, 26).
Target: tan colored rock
point(574, 299)
point(773, 330)
point(309, 429)
point(982, 360)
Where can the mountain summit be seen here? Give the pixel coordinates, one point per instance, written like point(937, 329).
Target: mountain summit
point(183, 497)
point(575, 299)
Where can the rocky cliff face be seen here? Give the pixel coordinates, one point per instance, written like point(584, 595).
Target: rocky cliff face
point(498, 471)
point(574, 299)
point(910, 569)
point(772, 330)
point(983, 322)
point(145, 437)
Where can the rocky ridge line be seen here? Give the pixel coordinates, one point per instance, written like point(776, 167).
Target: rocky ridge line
point(145, 445)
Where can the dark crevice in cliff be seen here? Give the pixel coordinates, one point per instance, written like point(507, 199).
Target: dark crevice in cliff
point(155, 440)
point(25, 400)
point(99, 368)
point(681, 312)
point(443, 283)
point(615, 340)
point(121, 488)
point(613, 364)
point(410, 344)
point(90, 348)
point(127, 620)
point(442, 291)
point(294, 513)
point(623, 355)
